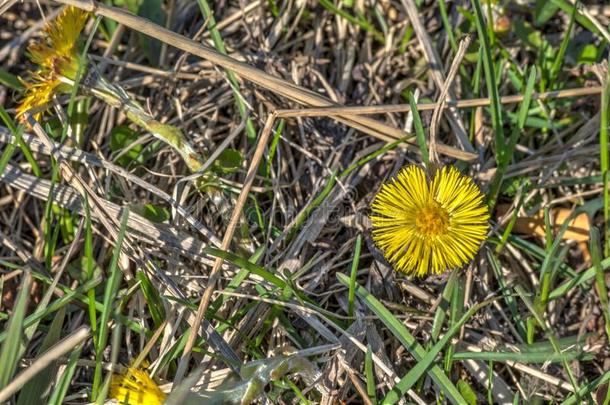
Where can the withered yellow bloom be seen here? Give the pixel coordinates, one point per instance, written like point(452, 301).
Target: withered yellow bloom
point(56, 55)
point(135, 387)
point(426, 226)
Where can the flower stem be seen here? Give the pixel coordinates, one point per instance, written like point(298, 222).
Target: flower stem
point(115, 96)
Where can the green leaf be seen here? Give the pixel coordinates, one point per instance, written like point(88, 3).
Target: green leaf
point(529, 35)
point(589, 54)
point(354, 272)
point(419, 130)
point(370, 376)
point(122, 137)
point(600, 278)
point(12, 347)
point(152, 212)
point(229, 161)
point(153, 11)
point(544, 11)
point(10, 80)
point(467, 392)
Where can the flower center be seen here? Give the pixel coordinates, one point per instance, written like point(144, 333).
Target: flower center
point(432, 220)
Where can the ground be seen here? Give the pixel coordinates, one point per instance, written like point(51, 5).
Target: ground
point(217, 168)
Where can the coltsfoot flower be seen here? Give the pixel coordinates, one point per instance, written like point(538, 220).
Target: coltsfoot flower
point(135, 387)
point(56, 55)
point(427, 225)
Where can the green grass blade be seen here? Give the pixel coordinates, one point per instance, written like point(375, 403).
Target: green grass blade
point(580, 279)
point(89, 267)
point(600, 279)
point(442, 7)
point(423, 364)
point(586, 390)
point(603, 150)
point(220, 47)
point(419, 130)
point(506, 293)
point(244, 263)
point(559, 59)
point(10, 80)
point(568, 7)
point(17, 132)
point(34, 390)
point(441, 310)
point(517, 131)
point(490, 79)
point(455, 312)
point(406, 338)
point(59, 393)
point(511, 223)
point(525, 357)
point(543, 324)
point(361, 22)
point(152, 298)
point(353, 274)
point(42, 312)
point(82, 66)
point(370, 376)
point(110, 293)
point(12, 346)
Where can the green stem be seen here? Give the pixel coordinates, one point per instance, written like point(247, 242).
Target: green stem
point(116, 97)
point(220, 47)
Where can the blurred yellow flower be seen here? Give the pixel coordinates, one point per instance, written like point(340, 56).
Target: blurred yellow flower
point(56, 55)
point(135, 387)
point(429, 226)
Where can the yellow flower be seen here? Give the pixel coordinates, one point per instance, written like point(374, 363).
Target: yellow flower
point(135, 387)
point(428, 226)
point(56, 55)
point(57, 50)
point(39, 93)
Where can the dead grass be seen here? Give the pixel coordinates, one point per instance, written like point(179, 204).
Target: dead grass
point(126, 251)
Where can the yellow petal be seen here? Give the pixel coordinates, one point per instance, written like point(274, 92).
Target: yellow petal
point(135, 387)
point(425, 227)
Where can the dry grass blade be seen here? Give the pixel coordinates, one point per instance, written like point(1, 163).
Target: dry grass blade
point(76, 155)
point(111, 225)
point(221, 272)
point(464, 103)
point(442, 99)
point(61, 348)
point(279, 86)
point(157, 235)
point(226, 242)
point(435, 64)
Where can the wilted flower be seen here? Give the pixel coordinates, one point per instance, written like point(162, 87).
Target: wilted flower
point(56, 55)
point(427, 226)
